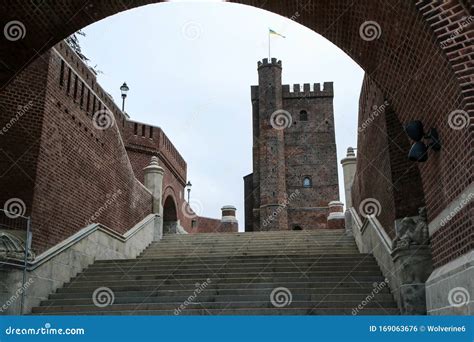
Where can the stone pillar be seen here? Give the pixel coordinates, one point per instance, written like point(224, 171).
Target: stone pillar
point(336, 215)
point(229, 221)
point(349, 170)
point(154, 182)
point(413, 267)
point(411, 256)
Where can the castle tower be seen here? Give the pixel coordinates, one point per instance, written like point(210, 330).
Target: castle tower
point(294, 184)
point(270, 147)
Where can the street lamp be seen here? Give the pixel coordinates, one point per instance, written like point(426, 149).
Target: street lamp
point(188, 188)
point(124, 89)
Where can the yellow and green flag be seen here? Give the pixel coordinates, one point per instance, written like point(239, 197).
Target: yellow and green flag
point(270, 31)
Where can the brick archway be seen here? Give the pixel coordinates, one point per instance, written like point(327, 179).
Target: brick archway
point(419, 59)
point(170, 212)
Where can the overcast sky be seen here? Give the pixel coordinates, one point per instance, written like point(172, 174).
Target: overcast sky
point(190, 66)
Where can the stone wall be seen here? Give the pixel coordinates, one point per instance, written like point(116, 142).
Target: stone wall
point(58, 265)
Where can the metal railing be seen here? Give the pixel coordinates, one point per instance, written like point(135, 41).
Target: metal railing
point(15, 241)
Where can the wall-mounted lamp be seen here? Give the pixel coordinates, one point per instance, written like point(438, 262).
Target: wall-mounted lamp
point(124, 90)
point(188, 188)
point(419, 150)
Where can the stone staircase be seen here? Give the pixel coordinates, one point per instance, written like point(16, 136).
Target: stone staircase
point(261, 273)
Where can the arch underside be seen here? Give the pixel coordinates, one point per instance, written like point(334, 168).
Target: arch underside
point(420, 75)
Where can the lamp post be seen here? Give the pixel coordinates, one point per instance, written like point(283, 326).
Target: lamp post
point(124, 89)
point(188, 188)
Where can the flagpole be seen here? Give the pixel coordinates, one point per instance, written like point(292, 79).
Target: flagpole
point(269, 46)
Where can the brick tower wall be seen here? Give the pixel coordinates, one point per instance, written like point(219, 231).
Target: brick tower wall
point(249, 204)
point(289, 153)
point(310, 152)
point(271, 149)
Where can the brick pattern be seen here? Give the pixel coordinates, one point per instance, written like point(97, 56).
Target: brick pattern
point(82, 175)
point(336, 224)
point(21, 119)
point(269, 150)
point(384, 175)
point(211, 225)
point(423, 75)
point(144, 141)
point(249, 195)
point(456, 238)
point(304, 148)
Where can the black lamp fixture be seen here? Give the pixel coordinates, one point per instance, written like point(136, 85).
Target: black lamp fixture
point(188, 188)
point(419, 150)
point(124, 89)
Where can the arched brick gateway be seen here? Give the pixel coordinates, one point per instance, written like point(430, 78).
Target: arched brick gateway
point(170, 214)
point(422, 63)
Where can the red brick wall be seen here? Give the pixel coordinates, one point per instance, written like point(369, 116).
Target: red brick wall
point(384, 175)
point(21, 119)
point(210, 225)
point(144, 141)
point(141, 146)
point(395, 182)
point(310, 219)
point(448, 174)
point(310, 150)
point(82, 174)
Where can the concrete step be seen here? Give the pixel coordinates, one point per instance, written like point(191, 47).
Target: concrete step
point(213, 305)
point(234, 248)
point(244, 260)
point(242, 281)
point(231, 268)
point(236, 252)
point(383, 299)
point(282, 241)
point(237, 312)
point(153, 291)
point(177, 274)
point(236, 274)
point(347, 286)
point(288, 267)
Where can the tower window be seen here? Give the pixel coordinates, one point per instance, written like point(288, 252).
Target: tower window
point(307, 183)
point(303, 115)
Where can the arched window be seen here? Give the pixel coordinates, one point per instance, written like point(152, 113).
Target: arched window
point(307, 183)
point(297, 228)
point(303, 115)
